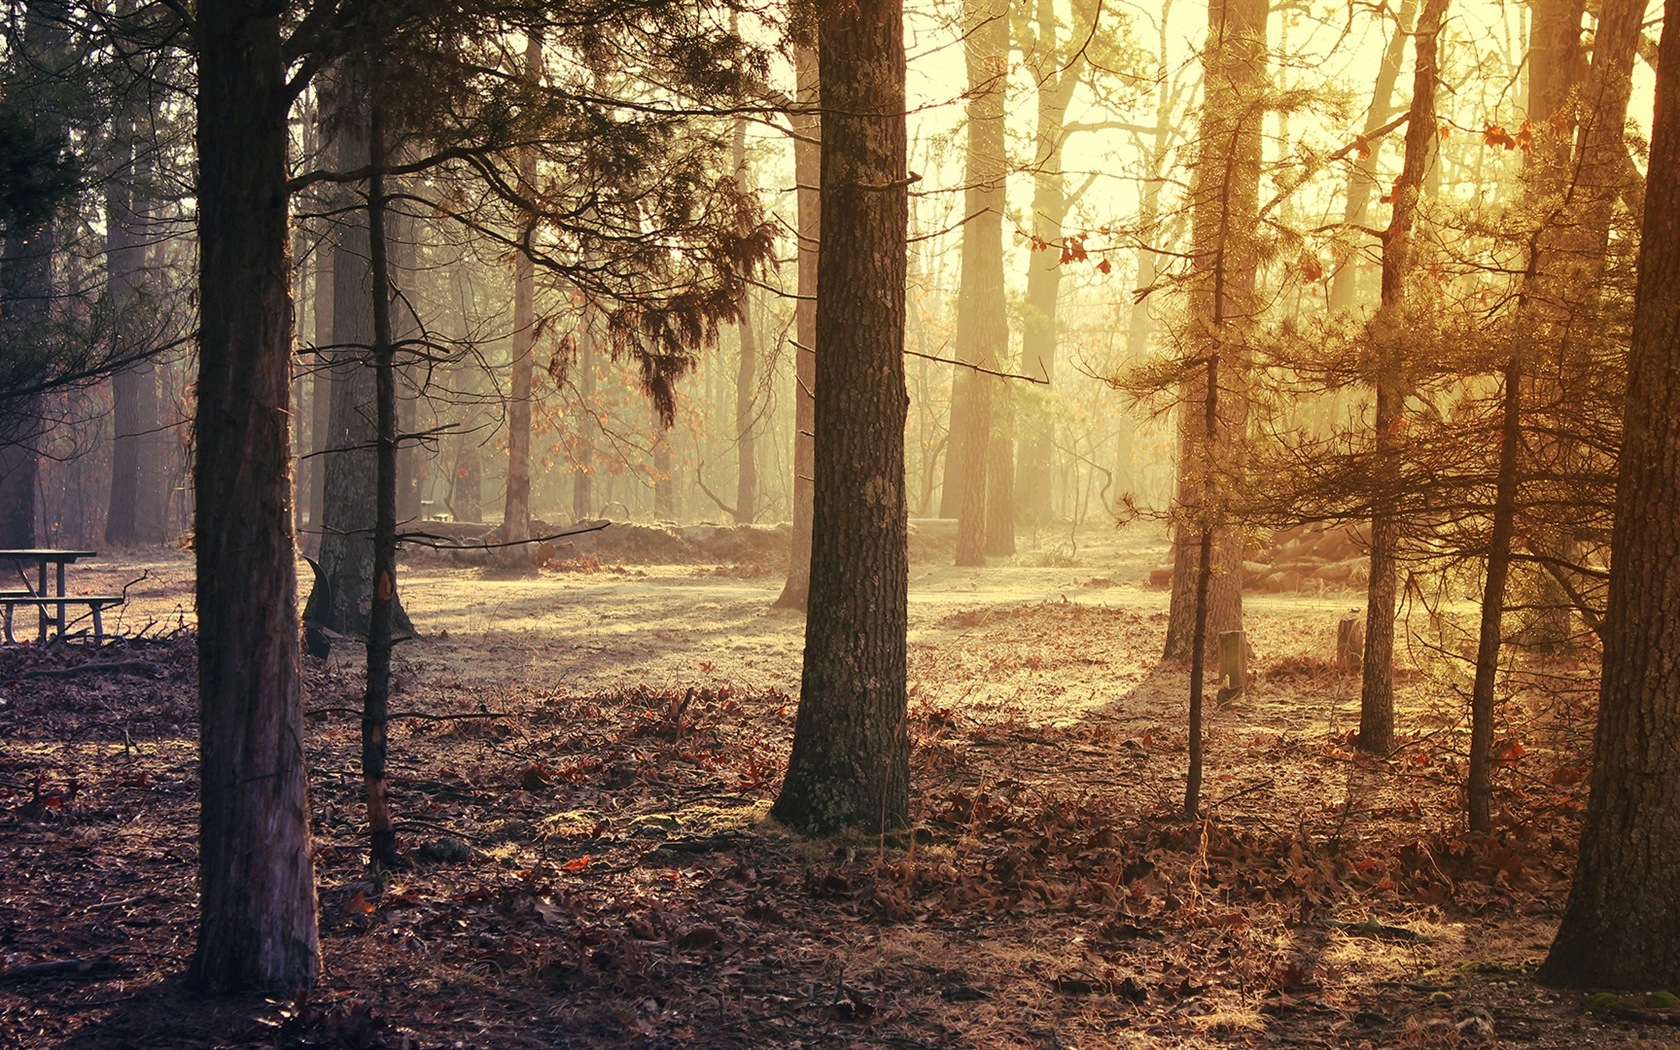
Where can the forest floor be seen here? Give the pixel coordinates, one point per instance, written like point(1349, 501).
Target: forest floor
point(590, 863)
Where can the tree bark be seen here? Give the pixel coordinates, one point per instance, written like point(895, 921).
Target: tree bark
point(850, 764)
point(256, 871)
point(1224, 217)
point(1621, 926)
point(807, 161)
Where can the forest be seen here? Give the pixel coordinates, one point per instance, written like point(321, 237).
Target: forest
point(813, 523)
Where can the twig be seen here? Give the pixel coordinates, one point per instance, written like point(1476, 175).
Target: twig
point(1249, 790)
point(139, 667)
point(1041, 381)
point(423, 539)
point(393, 716)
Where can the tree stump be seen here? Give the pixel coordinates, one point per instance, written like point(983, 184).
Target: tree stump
point(1350, 645)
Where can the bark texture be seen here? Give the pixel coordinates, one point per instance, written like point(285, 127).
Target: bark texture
point(850, 765)
point(1621, 927)
point(256, 870)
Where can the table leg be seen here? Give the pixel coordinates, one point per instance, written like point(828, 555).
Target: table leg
point(63, 622)
point(42, 592)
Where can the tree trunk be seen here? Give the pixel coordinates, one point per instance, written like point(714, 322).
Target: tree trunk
point(256, 870)
point(1480, 786)
point(321, 389)
point(1388, 337)
point(1138, 324)
point(1056, 74)
point(746, 384)
point(1199, 630)
point(1000, 472)
point(376, 701)
point(982, 330)
point(1224, 218)
point(1344, 284)
point(134, 511)
point(348, 509)
point(583, 478)
point(516, 507)
point(664, 484)
point(746, 379)
point(20, 469)
point(1561, 295)
point(807, 159)
point(1621, 927)
point(850, 765)
point(26, 270)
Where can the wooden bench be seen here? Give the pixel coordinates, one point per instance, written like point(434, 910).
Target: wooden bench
point(95, 603)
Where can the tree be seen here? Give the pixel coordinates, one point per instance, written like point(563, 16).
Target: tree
point(807, 158)
point(1225, 259)
point(1389, 335)
point(342, 597)
point(32, 104)
point(1621, 926)
point(135, 513)
point(256, 869)
point(746, 376)
point(1362, 179)
point(516, 505)
point(1557, 305)
point(850, 765)
point(982, 330)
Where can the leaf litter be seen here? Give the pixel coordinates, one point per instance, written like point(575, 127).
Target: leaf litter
point(589, 859)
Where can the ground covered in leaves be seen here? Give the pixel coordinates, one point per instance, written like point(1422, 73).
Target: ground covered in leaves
point(583, 778)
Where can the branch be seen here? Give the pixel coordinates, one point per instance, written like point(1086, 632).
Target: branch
point(424, 539)
point(721, 505)
point(960, 364)
point(1359, 142)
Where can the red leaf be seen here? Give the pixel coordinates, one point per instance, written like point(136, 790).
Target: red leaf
point(576, 865)
point(1105, 266)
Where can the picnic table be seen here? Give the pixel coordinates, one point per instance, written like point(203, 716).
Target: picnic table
point(41, 572)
